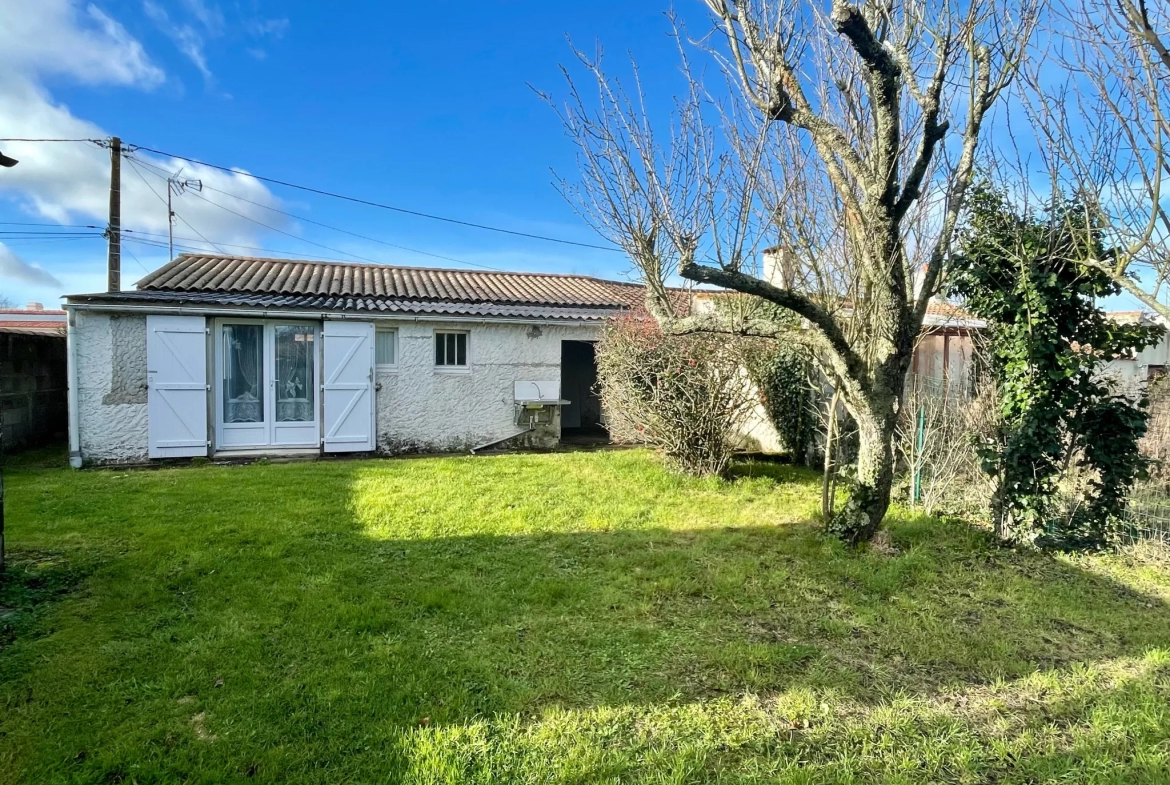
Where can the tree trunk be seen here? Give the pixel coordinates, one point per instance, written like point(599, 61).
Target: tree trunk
point(869, 495)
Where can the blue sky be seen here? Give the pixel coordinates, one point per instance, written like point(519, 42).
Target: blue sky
point(426, 106)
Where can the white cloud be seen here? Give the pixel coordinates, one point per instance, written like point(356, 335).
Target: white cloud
point(13, 268)
point(68, 183)
point(186, 39)
point(50, 37)
point(210, 16)
point(276, 28)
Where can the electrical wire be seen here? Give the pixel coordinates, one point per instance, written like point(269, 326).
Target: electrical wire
point(369, 203)
point(94, 141)
point(162, 172)
point(63, 226)
point(293, 255)
point(136, 259)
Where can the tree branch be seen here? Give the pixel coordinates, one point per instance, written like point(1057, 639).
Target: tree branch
point(796, 302)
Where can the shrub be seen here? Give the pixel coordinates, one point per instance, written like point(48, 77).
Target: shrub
point(683, 394)
point(782, 375)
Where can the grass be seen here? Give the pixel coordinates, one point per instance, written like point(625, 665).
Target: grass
point(581, 617)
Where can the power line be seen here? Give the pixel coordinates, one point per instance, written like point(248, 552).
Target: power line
point(95, 141)
point(139, 261)
point(379, 205)
point(293, 254)
point(52, 234)
point(64, 226)
point(160, 172)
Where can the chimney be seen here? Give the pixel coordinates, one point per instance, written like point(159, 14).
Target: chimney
point(919, 280)
point(779, 267)
point(34, 307)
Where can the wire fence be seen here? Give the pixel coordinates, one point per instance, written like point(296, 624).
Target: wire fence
point(942, 421)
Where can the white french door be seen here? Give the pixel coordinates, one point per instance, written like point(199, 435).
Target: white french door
point(267, 380)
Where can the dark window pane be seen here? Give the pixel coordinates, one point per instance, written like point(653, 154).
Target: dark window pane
point(439, 348)
point(461, 349)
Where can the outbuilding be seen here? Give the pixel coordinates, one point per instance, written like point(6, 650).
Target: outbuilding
point(224, 356)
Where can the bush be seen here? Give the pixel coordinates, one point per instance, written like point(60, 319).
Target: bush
point(683, 394)
point(782, 376)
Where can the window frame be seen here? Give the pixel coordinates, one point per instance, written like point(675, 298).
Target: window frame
point(466, 367)
point(383, 367)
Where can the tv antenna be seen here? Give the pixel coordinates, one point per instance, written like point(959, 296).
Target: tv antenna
point(176, 185)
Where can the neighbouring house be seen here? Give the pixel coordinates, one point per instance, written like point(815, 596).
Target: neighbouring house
point(1132, 372)
point(32, 376)
point(944, 357)
point(223, 356)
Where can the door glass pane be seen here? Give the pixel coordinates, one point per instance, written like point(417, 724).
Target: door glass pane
point(243, 373)
point(294, 373)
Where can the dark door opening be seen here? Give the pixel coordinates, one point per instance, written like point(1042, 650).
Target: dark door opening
point(581, 416)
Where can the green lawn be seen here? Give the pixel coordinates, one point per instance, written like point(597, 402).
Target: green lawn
point(582, 617)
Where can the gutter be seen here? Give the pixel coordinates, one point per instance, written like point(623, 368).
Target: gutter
point(180, 310)
point(71, 395)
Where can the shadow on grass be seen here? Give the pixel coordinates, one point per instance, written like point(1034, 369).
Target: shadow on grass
point(518, 623)
point(29, 584)
point(325, 612)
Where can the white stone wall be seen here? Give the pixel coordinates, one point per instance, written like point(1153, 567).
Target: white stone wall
point(418, 407)
point(421, 408)
point(111, 359)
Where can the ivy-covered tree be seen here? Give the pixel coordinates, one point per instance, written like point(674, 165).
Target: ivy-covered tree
point(1026, 274)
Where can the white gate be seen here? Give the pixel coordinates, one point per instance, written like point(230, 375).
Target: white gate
point(176, 371)
point(348, 386)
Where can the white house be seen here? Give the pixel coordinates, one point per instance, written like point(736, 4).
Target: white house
point(1131, 373)
point(222, 356)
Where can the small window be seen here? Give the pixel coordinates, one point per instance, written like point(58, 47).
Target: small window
point(386, 348)
point(450, 350)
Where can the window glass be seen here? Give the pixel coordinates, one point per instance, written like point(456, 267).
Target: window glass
point(294, 373)
point(384, 347)
point(451, 350)
point(243, 373)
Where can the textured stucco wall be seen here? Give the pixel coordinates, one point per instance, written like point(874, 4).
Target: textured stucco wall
point(420, 408)
point(110, 352)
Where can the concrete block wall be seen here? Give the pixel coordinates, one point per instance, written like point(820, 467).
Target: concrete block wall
point(33, 394)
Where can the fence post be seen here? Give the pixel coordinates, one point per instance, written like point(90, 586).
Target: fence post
point(919, 443)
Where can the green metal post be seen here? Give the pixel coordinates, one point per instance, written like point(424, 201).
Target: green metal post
point(919, 443)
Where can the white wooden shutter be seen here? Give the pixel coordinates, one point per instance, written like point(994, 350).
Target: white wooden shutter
point(176, 371)
point(348, 388)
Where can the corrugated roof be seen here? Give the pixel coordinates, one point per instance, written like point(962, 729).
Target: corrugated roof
point(373, 305)
point(246, 275)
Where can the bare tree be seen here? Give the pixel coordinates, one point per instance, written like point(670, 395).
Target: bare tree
point(845, 139)
point(1099, 102)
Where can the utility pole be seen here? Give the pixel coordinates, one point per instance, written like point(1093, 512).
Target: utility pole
point(114, 231)
point(177, 187)
point(6, 162)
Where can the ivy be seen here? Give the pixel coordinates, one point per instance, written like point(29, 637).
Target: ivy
point(1026, 274)
point(782, 375)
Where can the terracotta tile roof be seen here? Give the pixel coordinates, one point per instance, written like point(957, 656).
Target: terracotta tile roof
point(53, 329)
point(232, 275)
point(30, 311)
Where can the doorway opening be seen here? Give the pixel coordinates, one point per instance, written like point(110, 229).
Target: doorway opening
point(581, 419)
point(266, 383)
